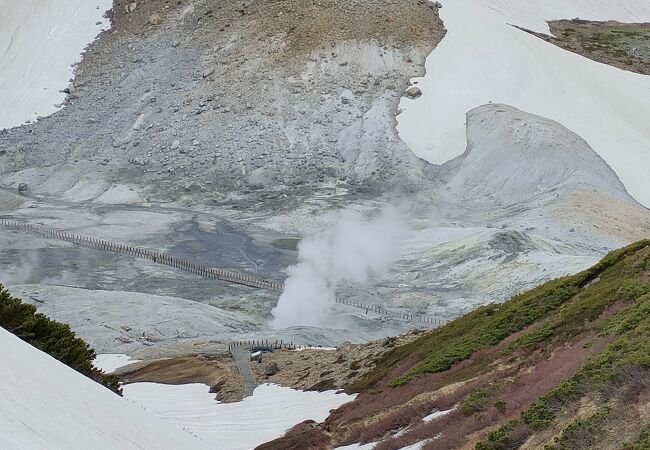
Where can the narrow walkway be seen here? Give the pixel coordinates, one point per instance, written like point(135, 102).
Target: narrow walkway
point(207, 272)
point(160, 258)
point(394, 314)
point(242, 357)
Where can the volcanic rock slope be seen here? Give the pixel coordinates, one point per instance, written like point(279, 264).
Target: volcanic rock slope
point(210, 97)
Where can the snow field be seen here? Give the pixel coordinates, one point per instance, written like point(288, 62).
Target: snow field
point(46, 404)
point(484, 59)
point(39, 41)
point(262, 417)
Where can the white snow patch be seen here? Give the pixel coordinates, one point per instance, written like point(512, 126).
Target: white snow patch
point(328, 349)
point(484, 59)
point(46, 404)
point(437, 414)
point(417, 445)
point(262, 417)
point(110, 362)
point(39, 42)
point(357, 446)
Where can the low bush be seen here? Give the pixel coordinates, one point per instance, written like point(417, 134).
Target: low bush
point(500, 439)
point(581, 433)
point(478, 401)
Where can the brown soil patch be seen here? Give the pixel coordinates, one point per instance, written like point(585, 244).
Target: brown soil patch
point(304, 26)
point(219, 372)
point(314, 369)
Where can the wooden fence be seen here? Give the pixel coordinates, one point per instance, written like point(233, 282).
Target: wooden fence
point(275, 345)
point(397, 314)
point(207, 272)
point(156, 257)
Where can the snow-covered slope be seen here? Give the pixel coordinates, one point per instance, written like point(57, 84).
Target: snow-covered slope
point(264, 416)
point(484, 59)
point(45, 404)
point(40, 40)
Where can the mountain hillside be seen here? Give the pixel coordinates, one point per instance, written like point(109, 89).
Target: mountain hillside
point(404, 172)
point(563, 366)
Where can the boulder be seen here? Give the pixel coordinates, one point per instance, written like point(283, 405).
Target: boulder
point(271, 369)
point(413, 92)
point(155, 19)
point(207, 72)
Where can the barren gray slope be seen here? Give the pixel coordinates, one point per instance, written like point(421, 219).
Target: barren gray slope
point(223, 97)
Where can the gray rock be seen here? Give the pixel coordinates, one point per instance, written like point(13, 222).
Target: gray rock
point(22, 187)
point(155, 19)
point(207, 72)
point(130, 7)
point(413, 92)
point(271, 369)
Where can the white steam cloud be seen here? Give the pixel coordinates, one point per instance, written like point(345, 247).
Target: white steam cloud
point(354, 249)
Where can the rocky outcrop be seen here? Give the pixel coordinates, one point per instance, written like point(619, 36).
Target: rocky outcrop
point(513, 157)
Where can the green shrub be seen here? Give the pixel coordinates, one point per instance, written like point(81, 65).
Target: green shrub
point(477, 401)
point(51, 337)
point(499, 439)
point(632, 289)
point(643, 443)
point(581, 433)
point(542, 412)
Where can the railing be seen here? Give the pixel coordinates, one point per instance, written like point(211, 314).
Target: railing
point(156, 257)
point(396, 314)
point(207, 272)
point(275, 345)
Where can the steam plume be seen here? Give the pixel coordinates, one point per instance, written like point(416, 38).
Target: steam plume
point(354, 249)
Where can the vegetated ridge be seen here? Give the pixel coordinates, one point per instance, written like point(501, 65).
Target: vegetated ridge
point(563, 366)
point(622, 45)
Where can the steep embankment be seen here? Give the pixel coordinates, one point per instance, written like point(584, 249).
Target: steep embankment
point(45, 404)
point(565, 365)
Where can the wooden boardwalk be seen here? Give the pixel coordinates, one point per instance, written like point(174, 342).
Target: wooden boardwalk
point(207, 272)
point(242, 357)
point(156, 257)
